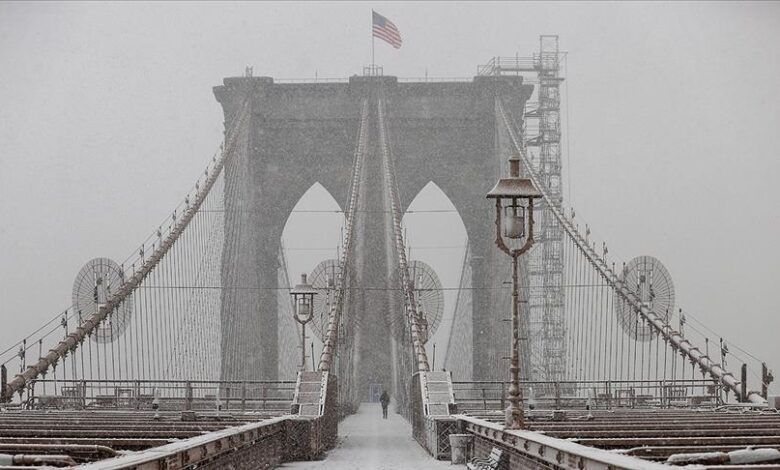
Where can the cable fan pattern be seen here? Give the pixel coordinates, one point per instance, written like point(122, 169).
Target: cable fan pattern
point(95, 283)
point(429, 295)
point(326, 270)
point(652, 284)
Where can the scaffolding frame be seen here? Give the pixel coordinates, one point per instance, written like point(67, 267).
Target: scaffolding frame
point(546, 330)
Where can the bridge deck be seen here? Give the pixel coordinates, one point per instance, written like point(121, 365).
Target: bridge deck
point(88, 436)
point(366, 441)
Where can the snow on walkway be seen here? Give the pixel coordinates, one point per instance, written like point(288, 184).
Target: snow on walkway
point(368, 442)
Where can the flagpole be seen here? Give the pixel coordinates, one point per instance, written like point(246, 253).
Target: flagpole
point(373, 64)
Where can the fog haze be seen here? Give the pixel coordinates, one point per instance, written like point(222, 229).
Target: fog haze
point(671, 120)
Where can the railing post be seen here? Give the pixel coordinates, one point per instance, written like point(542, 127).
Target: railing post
point(743, 385)
point(3, 382)
point(31, 394)
point(188, 396)
point(664, 394)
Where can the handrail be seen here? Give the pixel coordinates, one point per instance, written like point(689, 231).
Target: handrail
point(560, 453)
point(199, 449)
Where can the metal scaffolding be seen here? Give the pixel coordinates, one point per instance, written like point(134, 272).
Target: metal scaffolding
point(542, 128)
point(549, 141)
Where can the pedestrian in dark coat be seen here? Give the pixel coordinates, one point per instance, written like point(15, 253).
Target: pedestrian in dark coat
point(384, 400)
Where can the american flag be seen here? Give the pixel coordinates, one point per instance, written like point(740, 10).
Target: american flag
point(385, 30)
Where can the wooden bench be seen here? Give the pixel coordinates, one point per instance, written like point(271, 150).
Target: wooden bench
point(490, 463)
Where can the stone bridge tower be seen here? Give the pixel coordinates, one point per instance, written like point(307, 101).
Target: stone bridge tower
point(299, 134)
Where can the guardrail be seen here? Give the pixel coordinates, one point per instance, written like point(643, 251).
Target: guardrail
point(250, 395)
point(316, 80)
point(250, 446)
point(606, 394)
point(527, 449)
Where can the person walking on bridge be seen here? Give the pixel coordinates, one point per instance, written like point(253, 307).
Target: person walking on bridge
point(384, 400)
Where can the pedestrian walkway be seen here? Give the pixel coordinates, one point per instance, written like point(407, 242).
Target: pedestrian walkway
point(368, 442)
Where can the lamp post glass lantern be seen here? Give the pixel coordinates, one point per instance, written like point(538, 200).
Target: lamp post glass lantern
point(303, 311)
point(514, 198)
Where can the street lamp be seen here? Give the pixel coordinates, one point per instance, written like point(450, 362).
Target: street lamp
point(514, 209)
point(303, 311)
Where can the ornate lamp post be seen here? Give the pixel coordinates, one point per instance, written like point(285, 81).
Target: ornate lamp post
point(303, 311)
point(514, 208)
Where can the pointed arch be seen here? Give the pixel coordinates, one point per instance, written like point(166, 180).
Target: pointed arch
point(312, 230)
point(311, 233)
point(437, 235)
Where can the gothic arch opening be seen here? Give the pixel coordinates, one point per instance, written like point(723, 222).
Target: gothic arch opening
point(436, 235)
point(310, 236)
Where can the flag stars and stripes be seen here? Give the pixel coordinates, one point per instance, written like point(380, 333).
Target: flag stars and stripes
point(385, 30)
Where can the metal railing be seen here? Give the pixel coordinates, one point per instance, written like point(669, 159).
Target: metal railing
point(500, 65)
point(604, 394)
point(250, 395)
point(536, 450)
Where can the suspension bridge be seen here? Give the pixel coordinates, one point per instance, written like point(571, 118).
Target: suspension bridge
point(191, 352)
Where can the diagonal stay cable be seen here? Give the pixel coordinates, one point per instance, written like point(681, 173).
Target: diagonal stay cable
point(334, 317)
point(75, 338)
point(676, 339)
point(412, 315)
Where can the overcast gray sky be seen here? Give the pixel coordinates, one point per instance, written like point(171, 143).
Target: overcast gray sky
point(108, 117)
